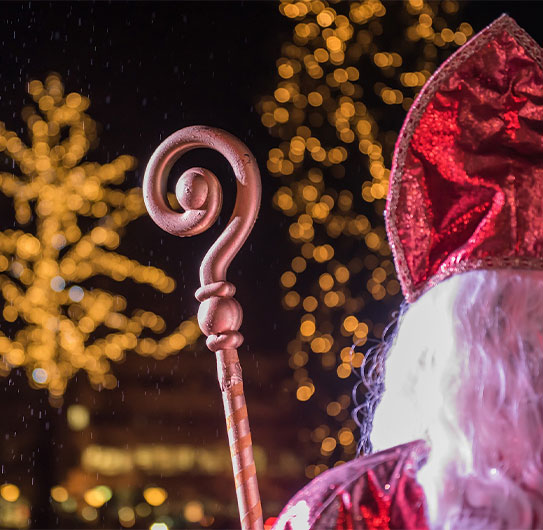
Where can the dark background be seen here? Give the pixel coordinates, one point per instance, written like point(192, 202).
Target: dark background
point(150, 69)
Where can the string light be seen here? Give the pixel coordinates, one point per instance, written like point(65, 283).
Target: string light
point(61, 324)
point(9, 492)
point(344, 82)
point(155, 496)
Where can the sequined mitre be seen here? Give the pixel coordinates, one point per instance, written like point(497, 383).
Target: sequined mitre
point(466, 187)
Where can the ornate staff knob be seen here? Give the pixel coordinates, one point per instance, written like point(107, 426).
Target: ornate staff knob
point(220, 315)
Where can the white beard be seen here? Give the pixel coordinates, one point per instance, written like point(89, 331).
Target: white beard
point(466, 374)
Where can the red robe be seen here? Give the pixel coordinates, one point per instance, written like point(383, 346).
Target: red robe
point(375, 492)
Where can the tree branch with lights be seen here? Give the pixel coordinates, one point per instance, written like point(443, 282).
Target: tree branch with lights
point(61, 324)
point(345, 81)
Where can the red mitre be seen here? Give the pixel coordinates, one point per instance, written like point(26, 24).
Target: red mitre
point(466, 189)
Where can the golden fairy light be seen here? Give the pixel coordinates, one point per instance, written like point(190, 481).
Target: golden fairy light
point(345, 81)
point(70, 215)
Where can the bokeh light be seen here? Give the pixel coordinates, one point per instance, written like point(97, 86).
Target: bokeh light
point(155, 496)
point(345, 81)
point(62, 322)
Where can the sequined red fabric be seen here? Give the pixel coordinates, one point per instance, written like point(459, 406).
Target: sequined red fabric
point(377, 492)
point(467, 179)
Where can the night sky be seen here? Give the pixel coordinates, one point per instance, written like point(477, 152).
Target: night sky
point(151, 68)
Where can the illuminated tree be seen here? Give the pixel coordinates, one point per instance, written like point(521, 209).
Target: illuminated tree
point(70, 215)
point(344, 85)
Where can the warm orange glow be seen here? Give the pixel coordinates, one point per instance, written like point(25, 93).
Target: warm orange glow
point(326, 121)
point(9, 492)
point(155, 496)
point(98, 496)
point(194, 511)
point(45, 274)
point(59, 494)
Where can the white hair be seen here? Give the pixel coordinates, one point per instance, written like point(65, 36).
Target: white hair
point(466, 373)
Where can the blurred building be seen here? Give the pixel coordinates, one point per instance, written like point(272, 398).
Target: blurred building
point(155, 451)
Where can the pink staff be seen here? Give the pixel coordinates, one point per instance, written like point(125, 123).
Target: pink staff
point(220, 315)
